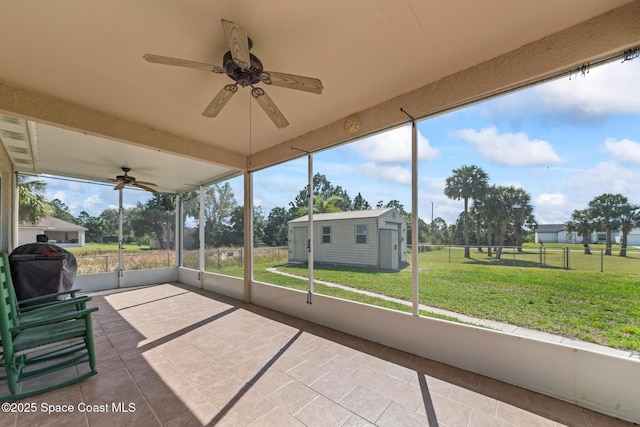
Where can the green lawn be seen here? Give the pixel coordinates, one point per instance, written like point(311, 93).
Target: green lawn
point(603, 308)
point(581, 302)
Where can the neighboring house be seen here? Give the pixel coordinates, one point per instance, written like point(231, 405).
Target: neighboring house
point(556, 233)
point(633, 238)
point(369, 238)
point(61, 233)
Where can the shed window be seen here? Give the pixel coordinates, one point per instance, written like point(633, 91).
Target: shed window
point(326, 234)
point(361, 234)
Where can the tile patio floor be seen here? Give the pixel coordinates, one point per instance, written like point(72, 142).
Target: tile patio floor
point(185, 357)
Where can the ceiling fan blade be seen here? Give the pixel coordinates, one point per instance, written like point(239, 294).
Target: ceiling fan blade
point(307, 84)
point(120, 186)
point(146, 183)
point(269, 107)
point(220, 100)
point(238, 43)
point(144, 187)
point(166, 60)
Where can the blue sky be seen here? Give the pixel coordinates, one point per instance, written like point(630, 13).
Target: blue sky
point(564, 141)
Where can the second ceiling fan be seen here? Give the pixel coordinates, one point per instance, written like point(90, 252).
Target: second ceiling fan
point(245, 69)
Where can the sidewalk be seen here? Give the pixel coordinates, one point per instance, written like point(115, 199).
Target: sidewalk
point(499, 326)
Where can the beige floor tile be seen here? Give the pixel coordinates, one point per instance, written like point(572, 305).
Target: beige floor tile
point(403, 393)
point(398, 415)
point(365, 403)
point(322, 412)
point(185, 357)
point(307, 372)
point(277, 418)
point(557, 410)
point(521, 417)
point(370, 378)
point(447, 412)
point(248, 408)
point(293, 396)
point(356, 421)
point(332, 386)
point(475, 400)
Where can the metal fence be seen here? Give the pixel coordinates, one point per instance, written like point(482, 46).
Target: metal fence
point(220, 259)
point(568, 258)
point(103, 263)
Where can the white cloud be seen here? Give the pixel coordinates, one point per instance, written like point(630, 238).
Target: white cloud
point(395, 174)
point(550, 200)
point(90, 202)
point(60, 195)
point(606, 177)
point(604, 91)
point(624, 150)
point(394, 146)
point(510, 149)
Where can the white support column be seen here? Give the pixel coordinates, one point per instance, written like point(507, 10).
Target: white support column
point(201, 236)
point(179, 231)
point(414, 218)
point(248, 235)
point(310, 227)
point(120, 237)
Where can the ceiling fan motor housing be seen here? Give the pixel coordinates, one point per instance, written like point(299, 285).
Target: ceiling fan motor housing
point(246, 77)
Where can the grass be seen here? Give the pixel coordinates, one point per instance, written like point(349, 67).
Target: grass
point(93, 248)
point(581, 302)
point(597, 307)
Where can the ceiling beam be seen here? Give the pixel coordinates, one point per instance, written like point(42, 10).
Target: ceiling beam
point(46, 109)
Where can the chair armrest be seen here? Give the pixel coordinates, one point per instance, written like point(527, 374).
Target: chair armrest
point(29, 308)
point(80, 302)
point(71, 293)
point(55, 319)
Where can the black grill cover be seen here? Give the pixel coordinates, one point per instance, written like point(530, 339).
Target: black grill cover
point(40, 269)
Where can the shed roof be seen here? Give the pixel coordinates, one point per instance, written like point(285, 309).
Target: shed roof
point(333, 216)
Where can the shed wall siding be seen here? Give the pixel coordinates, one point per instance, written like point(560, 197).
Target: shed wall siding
point(343, 248)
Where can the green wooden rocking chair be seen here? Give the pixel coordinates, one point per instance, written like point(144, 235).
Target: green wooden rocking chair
point(42, 340)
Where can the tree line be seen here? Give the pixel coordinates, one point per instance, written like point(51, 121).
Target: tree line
point(223, 216)
point(493, 216)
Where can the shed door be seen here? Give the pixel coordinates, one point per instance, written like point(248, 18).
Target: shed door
point(389, 249)
point(300, 244)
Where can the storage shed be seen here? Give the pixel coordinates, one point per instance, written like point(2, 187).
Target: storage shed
point(369, 238)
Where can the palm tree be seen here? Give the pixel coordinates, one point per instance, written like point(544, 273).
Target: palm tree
point(486, 211)
point(522, 213)
point(32, 204)
point(467, 182)
point(606, 211)
point(508, 197)
point(320, 205)
point(629, 218)
point(582, 224)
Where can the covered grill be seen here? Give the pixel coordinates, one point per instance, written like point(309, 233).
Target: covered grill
point(42, 268)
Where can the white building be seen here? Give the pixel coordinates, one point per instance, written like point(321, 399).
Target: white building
point(557, 233)
point(59, 232)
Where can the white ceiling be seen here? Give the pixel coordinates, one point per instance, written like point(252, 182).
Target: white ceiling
point(89, 55)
